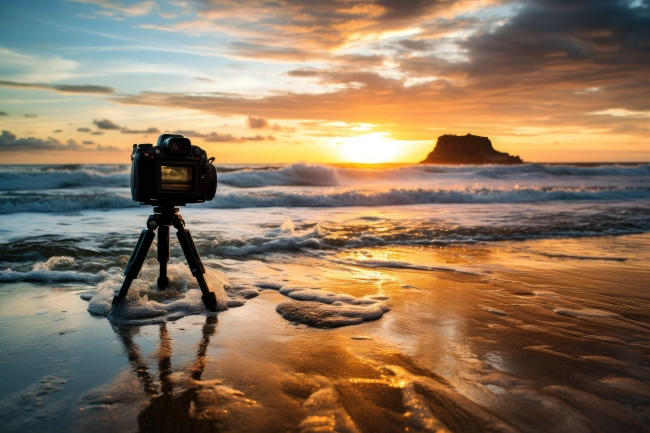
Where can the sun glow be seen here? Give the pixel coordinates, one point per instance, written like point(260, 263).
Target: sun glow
point(371, 148)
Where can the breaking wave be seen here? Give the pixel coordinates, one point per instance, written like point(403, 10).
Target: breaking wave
point(294, 175)
point(64, 177)
point(35, 202)
point(39, 202)
point(401, 197)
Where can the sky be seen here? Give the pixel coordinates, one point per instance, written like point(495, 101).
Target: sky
point(324, 80)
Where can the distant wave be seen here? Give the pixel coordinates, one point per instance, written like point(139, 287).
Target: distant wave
point(43, 180)
point(15, 178)
point(14, 202)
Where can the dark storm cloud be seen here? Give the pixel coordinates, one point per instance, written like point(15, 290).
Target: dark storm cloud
point(62, 88)
point(553, 46)
point(151, 130)
point(586, 39)
point(105, 124)
point(3, 113)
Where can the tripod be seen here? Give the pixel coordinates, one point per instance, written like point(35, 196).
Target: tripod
point(162, 218)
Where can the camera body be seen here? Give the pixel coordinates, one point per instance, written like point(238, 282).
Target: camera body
point(172, 173)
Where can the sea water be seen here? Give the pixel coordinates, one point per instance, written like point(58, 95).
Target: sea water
point(459, 298)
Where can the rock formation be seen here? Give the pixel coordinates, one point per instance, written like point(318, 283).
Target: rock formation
point(468, 149)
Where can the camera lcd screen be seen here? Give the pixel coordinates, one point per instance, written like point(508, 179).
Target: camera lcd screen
point(175, 178)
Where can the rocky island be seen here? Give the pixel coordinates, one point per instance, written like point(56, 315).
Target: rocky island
point(468, 149)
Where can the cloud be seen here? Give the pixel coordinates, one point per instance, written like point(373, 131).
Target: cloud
point(101, 148)
point(9, 142)
point(83, 129)
point(257, 122)
point(151, 130)
point(206, 80)
point(58, 130)
point(97, 133)
point(105, 124)
point(261, 123)
point(116, 7)
point(31, 115)
point(3, 113)
point(467, 66)
point(62, 88)
point(216, 137)
point(299, 30)
point(416, 45)
point(87, 142)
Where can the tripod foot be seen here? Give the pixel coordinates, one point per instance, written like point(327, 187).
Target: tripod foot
point(163, 282)
point(210, 301)
point(117, 299)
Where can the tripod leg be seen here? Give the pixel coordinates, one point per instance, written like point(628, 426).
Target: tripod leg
point(163, 255)
point(135, 263)
point(196, 265)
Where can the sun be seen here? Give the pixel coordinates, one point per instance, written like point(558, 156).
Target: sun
point(371, 148)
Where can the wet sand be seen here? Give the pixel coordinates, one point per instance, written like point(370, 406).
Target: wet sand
point(538, 335)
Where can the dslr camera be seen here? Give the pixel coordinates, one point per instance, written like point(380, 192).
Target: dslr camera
point(172, 173)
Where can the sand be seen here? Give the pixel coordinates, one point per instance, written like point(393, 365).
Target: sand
point(539, 335)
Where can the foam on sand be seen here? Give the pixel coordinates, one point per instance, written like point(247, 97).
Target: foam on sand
point(146, 304)
point(322, 309)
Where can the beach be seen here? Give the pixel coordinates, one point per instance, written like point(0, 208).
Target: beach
point(353, 299)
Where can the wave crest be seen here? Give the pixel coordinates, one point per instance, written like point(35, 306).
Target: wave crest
point(294, 175)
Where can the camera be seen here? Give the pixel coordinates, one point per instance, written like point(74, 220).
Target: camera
point(172, 173)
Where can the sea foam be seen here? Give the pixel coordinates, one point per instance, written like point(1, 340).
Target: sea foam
point(55, 270)
point(146, 304)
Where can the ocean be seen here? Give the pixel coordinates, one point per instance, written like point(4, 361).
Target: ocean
point(351, 298)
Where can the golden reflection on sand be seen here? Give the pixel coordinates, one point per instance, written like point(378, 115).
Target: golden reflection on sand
point(478, 338)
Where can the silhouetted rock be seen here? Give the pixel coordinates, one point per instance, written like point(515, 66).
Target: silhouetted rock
point(468, 149)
